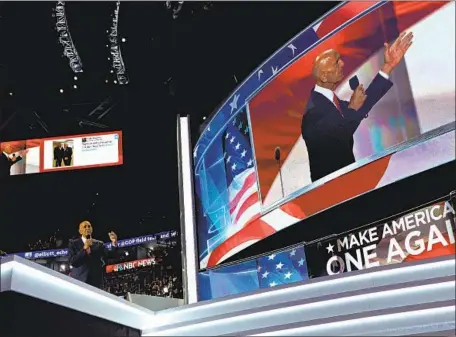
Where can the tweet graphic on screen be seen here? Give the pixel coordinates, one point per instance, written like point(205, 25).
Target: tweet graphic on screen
point(61, 153)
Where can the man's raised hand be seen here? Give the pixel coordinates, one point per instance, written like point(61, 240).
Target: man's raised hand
point(395, 53)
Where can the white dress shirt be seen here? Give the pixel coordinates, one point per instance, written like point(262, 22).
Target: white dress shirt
point(329, 94)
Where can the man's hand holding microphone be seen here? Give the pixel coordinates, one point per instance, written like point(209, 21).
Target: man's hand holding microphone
point(357, 99)
point(88, 243)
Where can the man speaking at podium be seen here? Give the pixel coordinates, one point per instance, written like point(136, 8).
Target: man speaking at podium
point(328, 124)
point(87, 255)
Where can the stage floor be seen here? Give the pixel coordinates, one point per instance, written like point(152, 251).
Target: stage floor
point(418, 298)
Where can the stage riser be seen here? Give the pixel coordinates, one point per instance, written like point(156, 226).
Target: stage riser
point(399, 322)
point(362, 293)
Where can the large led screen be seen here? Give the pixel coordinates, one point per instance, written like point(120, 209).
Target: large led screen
point(263, 163)
point(60, 153)
point(315, 139)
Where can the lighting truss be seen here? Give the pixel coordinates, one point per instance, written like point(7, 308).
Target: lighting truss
point(117, 62)
point(175, 6)
point(102, 109)
point(93, 118)
point(69, 50)
point(41, 122)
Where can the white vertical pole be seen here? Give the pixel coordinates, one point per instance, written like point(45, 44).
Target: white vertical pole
point(188, 224)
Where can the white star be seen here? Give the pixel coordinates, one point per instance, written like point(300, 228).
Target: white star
point(233, 167)
point(208, 128)
point(274, 70)
point(287, 275)
point(265, 274)
point(272, 284)
point(279, 266)
point(240, 125)
point(292, 47)
point(234, 121)
point(293, 252)
point(259, 268)
point(301, 262)
point(237, 146)
point(271, 257)
point(232, 139)
point(233, 103)
point(243, 153)
point(260, 72)
point(227, 135)
point(228, 159)
point(249, 163)
point(330, 248)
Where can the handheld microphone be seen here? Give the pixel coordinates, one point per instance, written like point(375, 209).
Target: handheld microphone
point(277, 153)
point(353, 82)
point(277, 158)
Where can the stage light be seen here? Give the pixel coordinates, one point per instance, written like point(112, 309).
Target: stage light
point(165, 290)
point(124, 39)
point(75, 78)
point(61, 91)
point(62, 267)
point(106, 81)
point(126, 254)
point(115, 82)
point(112, 71)
point(75, 86)
point(204, 118)
point(11, 94)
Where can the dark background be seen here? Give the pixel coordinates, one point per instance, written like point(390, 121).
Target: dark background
point(183, 65)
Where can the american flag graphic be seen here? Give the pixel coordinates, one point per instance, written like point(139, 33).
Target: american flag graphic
point(282, 268)
point(244, 203)
point(247, 226)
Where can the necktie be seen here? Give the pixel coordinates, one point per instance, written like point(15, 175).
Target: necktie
point(337, 104)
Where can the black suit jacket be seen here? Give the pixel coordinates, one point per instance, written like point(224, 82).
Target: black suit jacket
point(5, 165)
point(89, 268)
point(329, 134)
point(67, 153)
point(58, 154)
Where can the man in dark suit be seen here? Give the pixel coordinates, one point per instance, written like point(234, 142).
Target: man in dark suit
point(87, 255)
point(7, 160)
point(58, 155)
point(328, 124)
point(67, 154)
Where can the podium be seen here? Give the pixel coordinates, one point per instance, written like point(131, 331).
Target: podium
point(407, 299)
